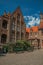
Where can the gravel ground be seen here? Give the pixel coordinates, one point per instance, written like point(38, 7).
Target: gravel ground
point(26, 58)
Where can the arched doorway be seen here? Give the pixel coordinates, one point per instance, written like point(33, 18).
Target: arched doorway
point(3, 38)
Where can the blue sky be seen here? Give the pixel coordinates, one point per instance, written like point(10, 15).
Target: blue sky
point(30, 8)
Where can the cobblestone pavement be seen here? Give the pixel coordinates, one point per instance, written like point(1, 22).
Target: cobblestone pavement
point(27, 58)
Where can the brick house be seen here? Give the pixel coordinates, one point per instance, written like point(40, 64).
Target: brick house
point(35, 34)
point(12, 27)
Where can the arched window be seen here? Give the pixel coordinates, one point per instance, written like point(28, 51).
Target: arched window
point(18, 18)
point(3, 38)
point(4, 24)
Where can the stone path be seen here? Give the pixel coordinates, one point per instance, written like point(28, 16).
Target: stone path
point(27, 58)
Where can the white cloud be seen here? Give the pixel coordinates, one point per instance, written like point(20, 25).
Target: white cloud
point(31, 21)
point(26, 17)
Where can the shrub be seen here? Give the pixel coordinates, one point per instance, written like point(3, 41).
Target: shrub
point(22, 44)
point(5, 49)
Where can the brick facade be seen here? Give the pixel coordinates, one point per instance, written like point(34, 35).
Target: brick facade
point(12, 27)
point(35, 34)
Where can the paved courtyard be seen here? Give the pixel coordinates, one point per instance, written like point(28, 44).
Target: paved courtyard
point(27, 58)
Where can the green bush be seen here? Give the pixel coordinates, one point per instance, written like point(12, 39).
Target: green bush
point(18, 46)
point(21, 45)
point(5, 49)
point(11, 47)
point(27, 44)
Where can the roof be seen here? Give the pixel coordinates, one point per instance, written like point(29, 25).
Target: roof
point(28, 30)
point(34, 29)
